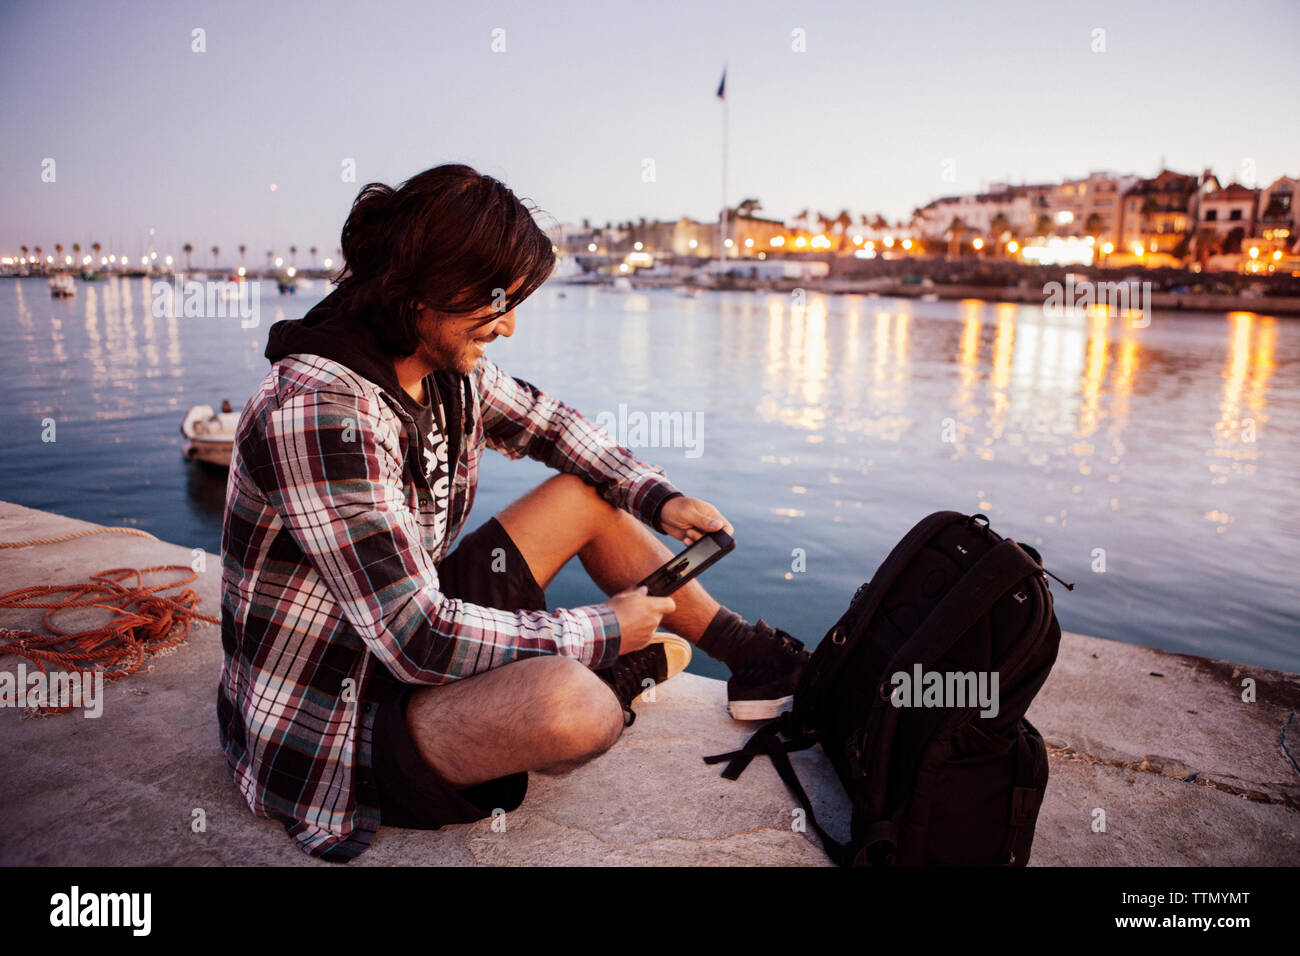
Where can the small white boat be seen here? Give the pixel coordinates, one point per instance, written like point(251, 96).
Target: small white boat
point(622, 284)
point(63, 286)
point(209, 435)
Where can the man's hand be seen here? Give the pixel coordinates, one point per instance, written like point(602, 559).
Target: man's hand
point(638, 617)
point(689, 519)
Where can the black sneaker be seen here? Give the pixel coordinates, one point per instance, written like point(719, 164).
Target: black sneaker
point(764, 678)
point(633, 674)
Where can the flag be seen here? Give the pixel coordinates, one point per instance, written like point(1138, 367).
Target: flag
point(722, 87)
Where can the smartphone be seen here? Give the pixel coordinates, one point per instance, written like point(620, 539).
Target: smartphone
point(687, 565)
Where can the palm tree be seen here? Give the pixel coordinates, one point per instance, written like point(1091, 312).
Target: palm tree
point(96, 248)
point(242, 249)
point(1044, 225)
point(1092, 226)
point(215, 252)
point(187, 249)
point(1207, 242)
point(38, 250)
point(76, 254)
point(58, 254)
point(999, 227)
point(293, 256)
point(313, 257)
point(956, 231)
point(24, 249)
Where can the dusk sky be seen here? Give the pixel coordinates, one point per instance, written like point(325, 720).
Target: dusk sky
point(146, 133)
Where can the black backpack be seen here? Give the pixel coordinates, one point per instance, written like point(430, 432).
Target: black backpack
point(932, 784)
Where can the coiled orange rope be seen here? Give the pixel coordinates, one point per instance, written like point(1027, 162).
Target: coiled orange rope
point(143, 621)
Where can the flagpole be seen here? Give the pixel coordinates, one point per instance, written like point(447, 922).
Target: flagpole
point(722, 216)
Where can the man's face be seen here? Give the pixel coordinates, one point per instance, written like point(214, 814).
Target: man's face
point(457, 342)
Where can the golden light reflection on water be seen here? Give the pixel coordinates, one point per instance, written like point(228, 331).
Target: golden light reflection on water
point(968, 373)
point(95, 346)
point(1247, 370)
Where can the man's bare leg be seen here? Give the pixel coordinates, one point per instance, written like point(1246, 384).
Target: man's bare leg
point(541, 713)
point(565, 516)
point(548, 714)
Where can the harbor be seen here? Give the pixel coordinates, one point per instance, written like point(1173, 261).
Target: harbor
point(553, 441)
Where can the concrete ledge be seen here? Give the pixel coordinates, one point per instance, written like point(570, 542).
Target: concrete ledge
point(1186, 773)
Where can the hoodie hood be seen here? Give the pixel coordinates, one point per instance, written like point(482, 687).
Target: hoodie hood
point(335, 333)
point(332, 331)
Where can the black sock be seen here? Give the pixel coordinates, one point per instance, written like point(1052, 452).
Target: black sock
point(724, 635)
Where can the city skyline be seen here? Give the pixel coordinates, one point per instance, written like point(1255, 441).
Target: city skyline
point(276, 96)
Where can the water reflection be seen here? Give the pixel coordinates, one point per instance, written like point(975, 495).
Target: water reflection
point(1247, 370)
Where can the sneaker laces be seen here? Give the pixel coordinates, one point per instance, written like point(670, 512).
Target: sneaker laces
point(627, 675)
point(783, 640)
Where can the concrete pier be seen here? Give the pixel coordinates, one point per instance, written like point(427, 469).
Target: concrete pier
point(1184, 771)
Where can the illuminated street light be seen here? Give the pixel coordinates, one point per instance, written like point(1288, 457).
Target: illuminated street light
point(1013, 247)
point(907, 243)
point(591, 246)
point(749, 243)
point(1108, 247)
point(637, 246)
point(978, 243)
point(1254, 252)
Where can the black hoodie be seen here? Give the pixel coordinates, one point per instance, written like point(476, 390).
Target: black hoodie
point(332, 331)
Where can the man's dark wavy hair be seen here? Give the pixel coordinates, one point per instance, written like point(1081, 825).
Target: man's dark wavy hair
point(451, 238)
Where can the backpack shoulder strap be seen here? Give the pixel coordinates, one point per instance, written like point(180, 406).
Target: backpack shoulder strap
point(760, 742)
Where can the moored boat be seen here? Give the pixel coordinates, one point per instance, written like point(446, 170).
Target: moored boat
point(209, 435)
point(63, 286)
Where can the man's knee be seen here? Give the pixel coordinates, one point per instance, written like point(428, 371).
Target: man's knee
point(572, 485)
point(577, 711)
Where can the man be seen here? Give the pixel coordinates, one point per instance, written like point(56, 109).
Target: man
point(371, 673)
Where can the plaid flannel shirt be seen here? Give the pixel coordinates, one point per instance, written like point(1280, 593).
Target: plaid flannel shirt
point(331, 533)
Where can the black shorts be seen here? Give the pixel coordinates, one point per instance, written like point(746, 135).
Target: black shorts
point(410, 793)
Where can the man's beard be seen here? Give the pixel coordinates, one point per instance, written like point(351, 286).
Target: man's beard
point(461, 358)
